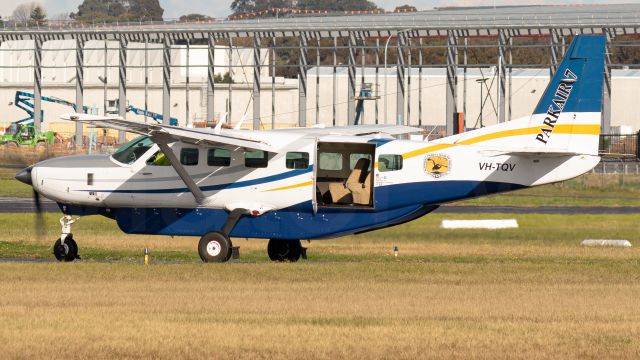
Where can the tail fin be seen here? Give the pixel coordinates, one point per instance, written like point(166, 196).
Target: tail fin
point(568, 115)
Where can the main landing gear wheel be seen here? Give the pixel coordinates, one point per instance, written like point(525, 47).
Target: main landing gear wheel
point(67, 251)
point(284, 250)
point(215, 247)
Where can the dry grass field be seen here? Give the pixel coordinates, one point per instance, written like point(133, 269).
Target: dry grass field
point(527, 293)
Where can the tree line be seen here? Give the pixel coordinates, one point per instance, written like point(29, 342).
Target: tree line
point(100, 11)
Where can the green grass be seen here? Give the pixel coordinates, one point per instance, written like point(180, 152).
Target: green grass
point(586, 190)
point(10, 187)
point(100, 238)
point(14, 188)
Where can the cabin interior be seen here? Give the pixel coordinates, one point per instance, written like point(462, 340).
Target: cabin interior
point(344, 176)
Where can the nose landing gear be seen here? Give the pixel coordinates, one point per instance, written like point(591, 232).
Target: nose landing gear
point(65, 248)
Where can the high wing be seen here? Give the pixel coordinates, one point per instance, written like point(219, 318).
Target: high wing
point(168, 134)
point(356, 130)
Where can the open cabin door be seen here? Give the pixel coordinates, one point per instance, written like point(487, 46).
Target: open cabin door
point(343, 175)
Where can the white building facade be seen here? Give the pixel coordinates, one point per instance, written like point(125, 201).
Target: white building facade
point(327, 93)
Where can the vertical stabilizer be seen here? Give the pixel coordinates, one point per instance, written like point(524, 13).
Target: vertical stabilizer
point(568, 115)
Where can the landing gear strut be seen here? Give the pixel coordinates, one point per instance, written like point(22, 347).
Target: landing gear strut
point(284, 250)
point(65, 248)
point(216, 246)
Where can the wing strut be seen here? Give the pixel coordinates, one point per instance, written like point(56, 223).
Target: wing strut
point(188, 180)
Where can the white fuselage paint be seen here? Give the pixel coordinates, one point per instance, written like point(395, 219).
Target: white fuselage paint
point(473, 156)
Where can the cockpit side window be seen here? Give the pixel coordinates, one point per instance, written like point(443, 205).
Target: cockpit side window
point(387, 162)
point(158, 159)
point(133, 150)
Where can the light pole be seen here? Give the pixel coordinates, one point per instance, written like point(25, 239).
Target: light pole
point(386, 93)
point(146, 78)
point(481, 82)
point(104, 102)
point(386, 45)
point(186, 90)
point(104, 80)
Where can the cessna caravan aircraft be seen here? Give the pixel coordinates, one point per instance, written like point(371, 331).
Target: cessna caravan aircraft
point(319, 183)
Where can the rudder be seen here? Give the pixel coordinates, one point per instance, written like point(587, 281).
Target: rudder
point(568, 115)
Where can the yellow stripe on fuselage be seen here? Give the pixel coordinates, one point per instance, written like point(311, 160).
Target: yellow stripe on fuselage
point(308, 183)
point(578, 129)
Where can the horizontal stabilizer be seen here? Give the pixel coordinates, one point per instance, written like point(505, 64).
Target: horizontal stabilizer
point(531, 152)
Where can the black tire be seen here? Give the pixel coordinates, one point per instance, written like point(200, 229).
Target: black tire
point(284, 250)
point(67, 252)
point(214, 247)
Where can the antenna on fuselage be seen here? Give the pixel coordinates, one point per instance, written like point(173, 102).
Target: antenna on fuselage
point(239, 124)
point(429, 134)
point(216, 130)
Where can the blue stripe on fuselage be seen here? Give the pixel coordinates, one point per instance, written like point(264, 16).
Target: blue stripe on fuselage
point(237, 184)
point(392, 204)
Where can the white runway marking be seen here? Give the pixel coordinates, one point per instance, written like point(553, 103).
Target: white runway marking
point(480, 224)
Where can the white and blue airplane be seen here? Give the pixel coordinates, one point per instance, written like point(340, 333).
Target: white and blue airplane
point(319, 183)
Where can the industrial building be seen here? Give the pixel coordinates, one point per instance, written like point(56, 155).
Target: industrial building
point(171, 68)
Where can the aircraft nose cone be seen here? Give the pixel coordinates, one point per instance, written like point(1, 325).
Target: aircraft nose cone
point(25, 175)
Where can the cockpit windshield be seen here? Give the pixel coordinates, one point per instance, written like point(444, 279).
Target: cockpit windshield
point(133, 150)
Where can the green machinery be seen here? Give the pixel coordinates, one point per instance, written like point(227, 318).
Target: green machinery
point(26, 135)
point(23, 132)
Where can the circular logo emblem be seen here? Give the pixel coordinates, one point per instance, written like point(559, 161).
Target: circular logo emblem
point(437, 165)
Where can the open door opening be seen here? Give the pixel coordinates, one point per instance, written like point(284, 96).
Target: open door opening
point(344, 174)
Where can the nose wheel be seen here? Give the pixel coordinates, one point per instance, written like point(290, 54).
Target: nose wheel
point(65, 251)
point(65, 248)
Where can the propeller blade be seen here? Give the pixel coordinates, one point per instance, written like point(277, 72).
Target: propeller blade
point(36, 201)
point(39, 219)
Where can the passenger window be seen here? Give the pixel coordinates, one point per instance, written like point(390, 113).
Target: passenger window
point(219, 157)
point(353, 159)
point(189, 156)
point(297, 160)
point(256, 159)
point(159, 159)
point(389, 162)
point(330, 161)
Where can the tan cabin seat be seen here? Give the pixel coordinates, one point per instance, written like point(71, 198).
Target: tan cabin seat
point(361, 192)
point(341, 193)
